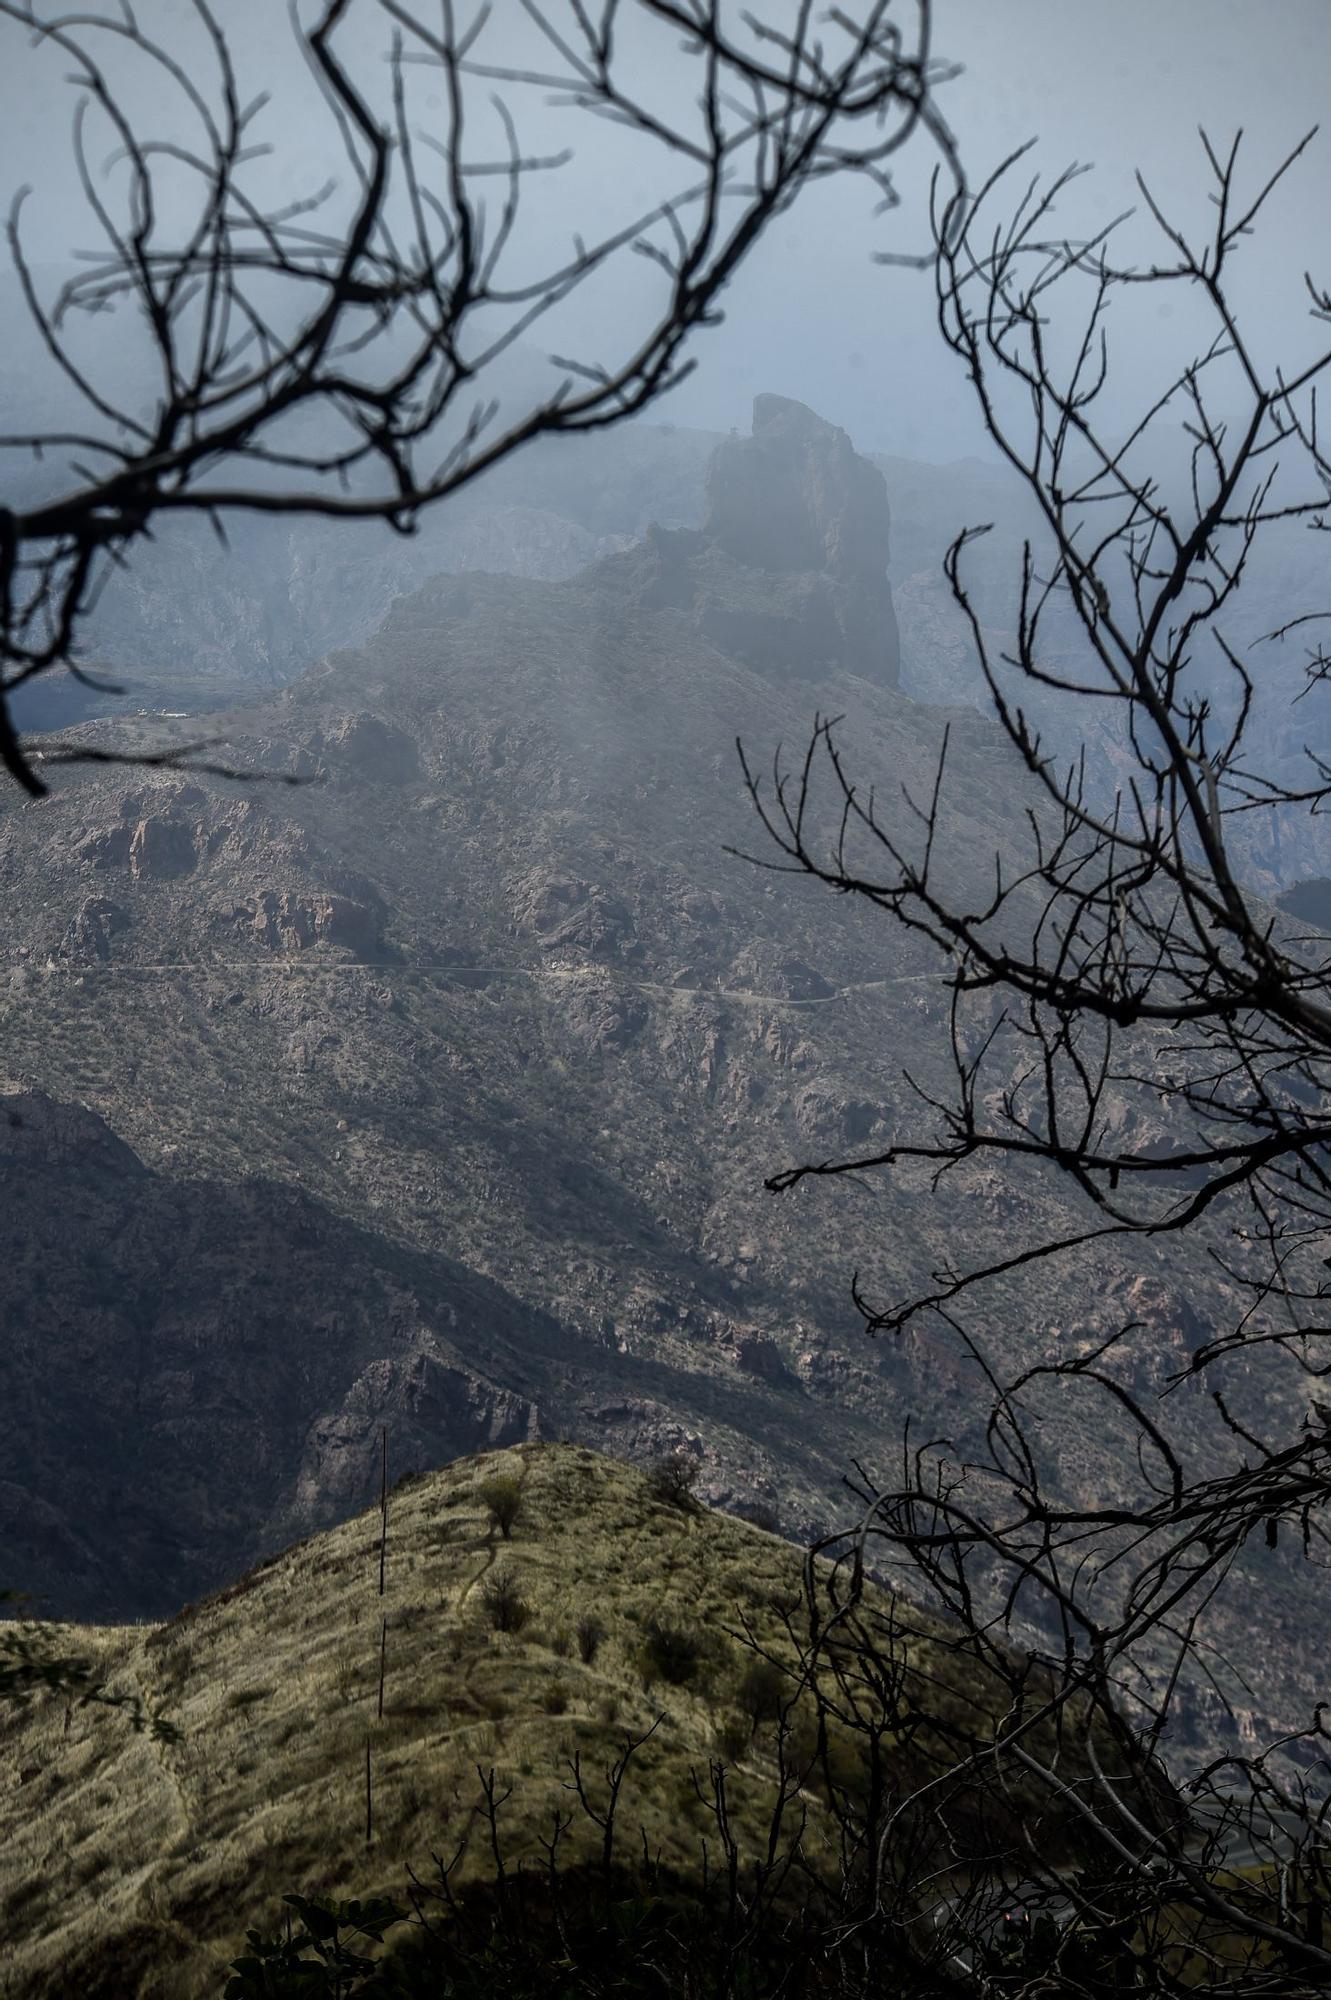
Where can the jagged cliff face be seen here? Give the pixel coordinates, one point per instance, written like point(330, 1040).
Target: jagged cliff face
point(796, 501)
point(451, 1077)
point(788, 572)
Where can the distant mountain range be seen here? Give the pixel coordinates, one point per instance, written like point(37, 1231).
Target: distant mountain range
point(437, 1090)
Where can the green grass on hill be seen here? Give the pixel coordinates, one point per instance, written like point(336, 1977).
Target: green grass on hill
point(131, 1865)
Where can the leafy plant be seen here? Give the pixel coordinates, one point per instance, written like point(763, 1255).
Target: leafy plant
point(672, 1479)
point(762, 1692)
point(502, 1498)
point(671, 1654)
point(316, 1957)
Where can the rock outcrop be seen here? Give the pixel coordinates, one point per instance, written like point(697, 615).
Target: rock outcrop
point(161, 849)
point(89, 934)
point(434, 1409)
point(286, 922)
point(788, 572)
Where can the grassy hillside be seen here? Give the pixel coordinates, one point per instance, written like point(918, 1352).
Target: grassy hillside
point(131, 1865)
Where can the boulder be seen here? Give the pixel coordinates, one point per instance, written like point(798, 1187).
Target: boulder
point(757, 1354)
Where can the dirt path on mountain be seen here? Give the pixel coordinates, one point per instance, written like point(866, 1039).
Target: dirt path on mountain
point(538, 974)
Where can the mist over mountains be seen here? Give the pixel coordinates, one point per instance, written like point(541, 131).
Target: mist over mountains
point(193, 626)
point(437, 1091)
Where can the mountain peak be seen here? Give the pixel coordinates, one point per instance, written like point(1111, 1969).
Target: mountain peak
point(796, 495)
point(789, 570)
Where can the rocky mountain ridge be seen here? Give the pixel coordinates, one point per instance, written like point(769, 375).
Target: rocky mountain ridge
point(484, 991)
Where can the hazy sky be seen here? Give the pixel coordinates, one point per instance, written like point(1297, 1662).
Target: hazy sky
point(1121, 85)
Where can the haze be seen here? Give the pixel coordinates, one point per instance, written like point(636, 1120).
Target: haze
point(811, 315)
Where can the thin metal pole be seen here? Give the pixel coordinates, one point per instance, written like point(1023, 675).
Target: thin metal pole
point(383, 1508)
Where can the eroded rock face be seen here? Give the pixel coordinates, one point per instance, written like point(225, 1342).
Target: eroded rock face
point(90, 933)
point(287, 921)
point(106, 847)
point(788, 572)
point(434, 1409)
point(796, 495)
point(756, 1353)
point(795, 500)
point(161, 849)
point(600, 1019)
point(568, 914)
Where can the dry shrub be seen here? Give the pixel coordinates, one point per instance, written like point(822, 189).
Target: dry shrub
point(505, 1606)
point(590, 1633)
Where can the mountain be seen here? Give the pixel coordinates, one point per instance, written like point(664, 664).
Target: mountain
point(437, 1089)
point(138, 1861)
point(165, 1422)
point(194, 624)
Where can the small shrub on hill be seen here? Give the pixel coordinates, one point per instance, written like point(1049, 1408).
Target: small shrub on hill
point(590, 1633)
point(672, 1479)
point(732, 1735)
point(762, 1692)
point(505, 1606)
point(668, 1653)
point(348, 1672)
point(502, 1499)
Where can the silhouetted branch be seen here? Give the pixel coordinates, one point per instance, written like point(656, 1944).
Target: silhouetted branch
point(328, 354)
point(1128, 1017)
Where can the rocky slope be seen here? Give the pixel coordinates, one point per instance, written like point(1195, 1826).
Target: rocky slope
point(486, 999)
point(194, 625)
point(165, 1421)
